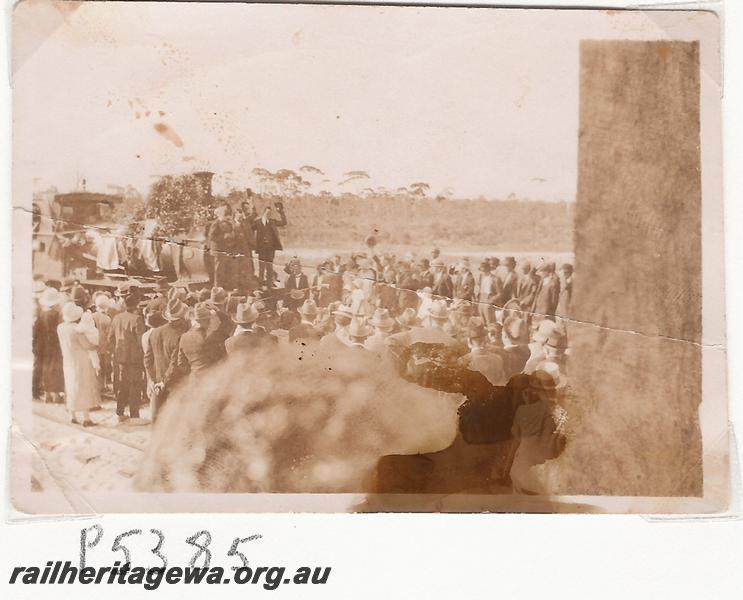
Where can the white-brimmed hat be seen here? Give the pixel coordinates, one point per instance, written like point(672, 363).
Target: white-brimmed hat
point(49, 298)
point(38, 287)
point(71, 312)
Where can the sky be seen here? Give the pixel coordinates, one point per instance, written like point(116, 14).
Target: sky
point(478, 102)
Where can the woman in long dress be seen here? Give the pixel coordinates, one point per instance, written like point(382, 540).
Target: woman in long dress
point(47, 352)
point(81, 379)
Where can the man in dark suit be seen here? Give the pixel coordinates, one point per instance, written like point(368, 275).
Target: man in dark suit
point(407, 285)
point(162, 349)
point(526, 286)
point(442, 284)
point(425, 276)
point(547, 294)
point(267, 240)
point(220, 326)
point(244, 246)
point(125, 338)
point(464, 283)
point(221, 244)
point(508, 284)
point(306, 329)
point(297, 286)
point(327, 285)
point(195, 348)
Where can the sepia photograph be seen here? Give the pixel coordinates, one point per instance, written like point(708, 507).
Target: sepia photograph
point(327, 258)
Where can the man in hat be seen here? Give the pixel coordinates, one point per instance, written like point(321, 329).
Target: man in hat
point(338, 340)
point(196, 349)
point(488, 290)
point(537, 351)
point(407, 319)
point(515, 345)
point(479, 358)
point(159, 301)
point(220, 240)
point(508, 284)
point(547, 293)
point(296, 287)
point(464, 282)
point(438, 315)
point(248, 337)
point(306, 329)
point(102, 321)
point(556, 346)
point(221, 325)
point(152, 321)
point(425, 275)
point(125, 341)
point(267, 240)
point(130, 287)
point(526, 286)
point(358, 332)
point(459, 317)
point(383, 325)
point(387, 291)
point(162, 348)
point(327, 285)
point(442, 283)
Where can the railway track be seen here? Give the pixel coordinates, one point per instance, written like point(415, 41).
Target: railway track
point(100, 431)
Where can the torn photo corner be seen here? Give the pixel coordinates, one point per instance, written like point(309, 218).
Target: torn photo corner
point(304, 258)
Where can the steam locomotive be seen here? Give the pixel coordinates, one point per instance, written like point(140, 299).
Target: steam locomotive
point(74, 236)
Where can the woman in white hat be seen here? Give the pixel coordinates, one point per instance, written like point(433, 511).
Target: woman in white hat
point(80, 378)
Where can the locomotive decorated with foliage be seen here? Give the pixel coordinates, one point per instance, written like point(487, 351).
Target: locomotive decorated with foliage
point(80, 235)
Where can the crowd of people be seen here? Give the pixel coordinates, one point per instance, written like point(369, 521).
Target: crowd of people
point(137, 343)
